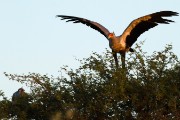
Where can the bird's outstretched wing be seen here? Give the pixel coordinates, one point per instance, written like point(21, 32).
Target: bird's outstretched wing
point(142, 24)
point(92, 24)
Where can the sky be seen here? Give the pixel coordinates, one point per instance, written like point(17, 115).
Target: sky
point(32, 39)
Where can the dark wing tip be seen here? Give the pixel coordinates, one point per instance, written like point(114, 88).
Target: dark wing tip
point(159, 17)
point(69, 18)
point(60, 16)
point(168, 13)
point(172, 13)
point(64, 16)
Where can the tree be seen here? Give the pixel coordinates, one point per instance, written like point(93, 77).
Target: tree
point(149, 88)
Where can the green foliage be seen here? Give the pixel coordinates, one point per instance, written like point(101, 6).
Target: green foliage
point(148, 89)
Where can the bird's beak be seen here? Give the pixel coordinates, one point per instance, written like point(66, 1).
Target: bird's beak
point(109, 37)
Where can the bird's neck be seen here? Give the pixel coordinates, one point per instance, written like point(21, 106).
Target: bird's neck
point(114, 40)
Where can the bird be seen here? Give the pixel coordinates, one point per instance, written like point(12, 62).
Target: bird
point(123, 43)
point(18, 94)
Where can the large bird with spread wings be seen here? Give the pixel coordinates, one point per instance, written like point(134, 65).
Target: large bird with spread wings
point(122, 44)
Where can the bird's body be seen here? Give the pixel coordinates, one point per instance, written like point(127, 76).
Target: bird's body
point(117, 44)
point(122, 44)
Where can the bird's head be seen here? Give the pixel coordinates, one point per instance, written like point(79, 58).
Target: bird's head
point(111, 35)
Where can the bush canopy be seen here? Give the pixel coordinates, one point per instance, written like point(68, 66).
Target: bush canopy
point(148, 88)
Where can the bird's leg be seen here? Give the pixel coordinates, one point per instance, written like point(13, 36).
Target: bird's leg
point(115, 58)
point(123, 55)
point(124, 70)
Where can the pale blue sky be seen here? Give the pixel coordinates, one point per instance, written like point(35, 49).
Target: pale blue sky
point(32, 39)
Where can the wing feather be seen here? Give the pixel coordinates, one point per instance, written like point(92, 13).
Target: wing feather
point(142, 24)
point(87, 22)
